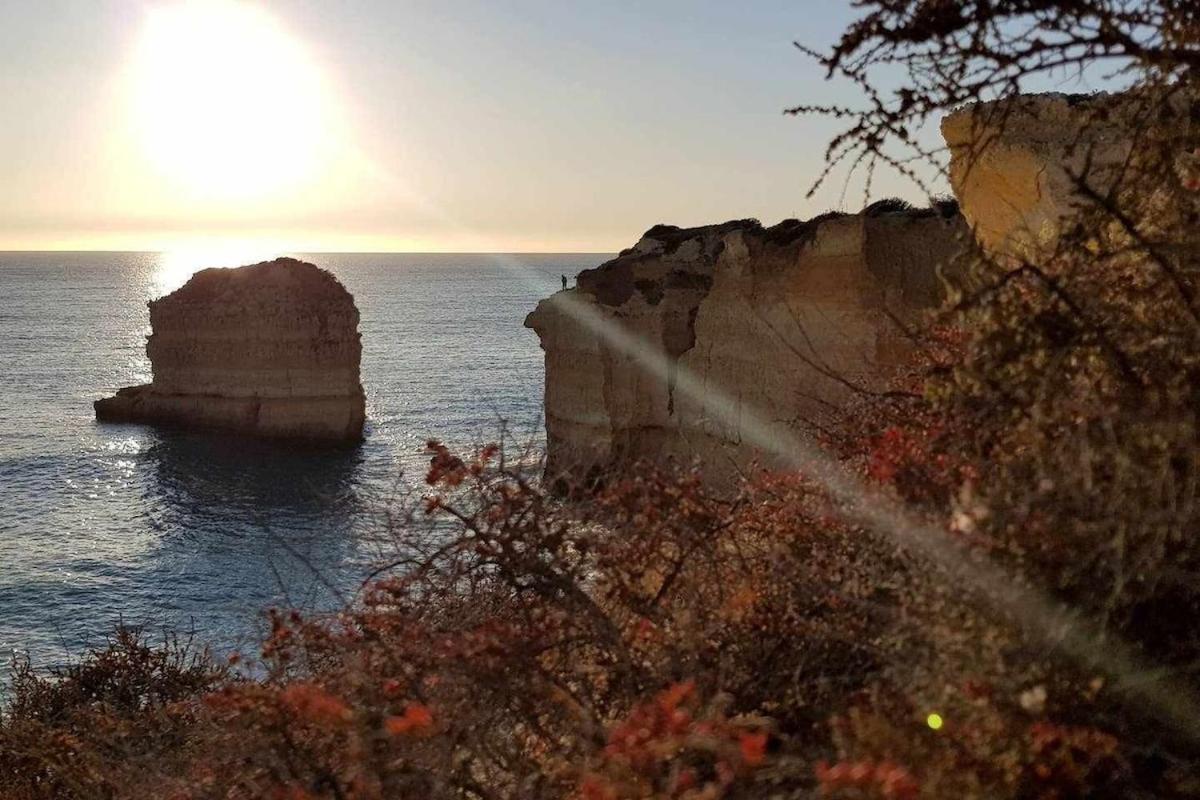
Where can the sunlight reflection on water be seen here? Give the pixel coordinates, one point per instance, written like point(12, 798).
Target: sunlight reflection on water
point(174, 267)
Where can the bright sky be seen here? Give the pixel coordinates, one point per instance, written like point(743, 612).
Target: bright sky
point(405, 125)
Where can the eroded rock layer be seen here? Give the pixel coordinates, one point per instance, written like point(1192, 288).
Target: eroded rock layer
point(788, 320)
point(271, 349)
point(1016, 164)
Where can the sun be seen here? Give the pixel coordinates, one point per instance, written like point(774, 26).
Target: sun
point(227, 105)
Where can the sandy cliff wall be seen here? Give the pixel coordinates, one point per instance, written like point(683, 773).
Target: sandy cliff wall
point(777, 319)
point(1015, 164)
point(270, 349)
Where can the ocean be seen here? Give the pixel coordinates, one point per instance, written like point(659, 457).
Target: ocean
point(198, 533)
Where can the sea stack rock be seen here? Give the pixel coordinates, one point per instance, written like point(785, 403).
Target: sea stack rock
point(270, 350)
point(788, 320)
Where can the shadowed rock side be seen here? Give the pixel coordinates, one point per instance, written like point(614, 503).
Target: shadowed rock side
point(270, 350)
point(786, 320)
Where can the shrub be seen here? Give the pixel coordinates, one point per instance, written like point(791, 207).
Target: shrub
point(98, 727)
point(658, 640)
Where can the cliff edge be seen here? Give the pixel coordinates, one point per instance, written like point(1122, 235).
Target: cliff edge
point(269, 349)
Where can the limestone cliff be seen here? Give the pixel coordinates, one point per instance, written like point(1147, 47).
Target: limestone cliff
point(1015, 163)
point(270, 350)
point(786, 320)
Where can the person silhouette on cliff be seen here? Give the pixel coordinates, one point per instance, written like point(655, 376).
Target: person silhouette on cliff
point(564, 277)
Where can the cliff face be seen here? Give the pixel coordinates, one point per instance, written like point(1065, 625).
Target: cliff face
point(270, 350)
point(1015, 163)
point(785, 320)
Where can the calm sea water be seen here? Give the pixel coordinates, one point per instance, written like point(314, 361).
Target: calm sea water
point(200, 532)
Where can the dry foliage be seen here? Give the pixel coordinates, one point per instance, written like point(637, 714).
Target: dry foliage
point(655, 641)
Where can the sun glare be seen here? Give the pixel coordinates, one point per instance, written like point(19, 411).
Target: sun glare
point(228, 106)
point(175, 266)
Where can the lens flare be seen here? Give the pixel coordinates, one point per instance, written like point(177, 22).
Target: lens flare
point(1077, 637)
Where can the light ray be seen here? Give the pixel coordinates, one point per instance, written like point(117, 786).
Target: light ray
point(1055, 625)
point(1080, 638)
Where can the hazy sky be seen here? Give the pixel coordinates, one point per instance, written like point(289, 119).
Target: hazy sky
point(404, 125)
